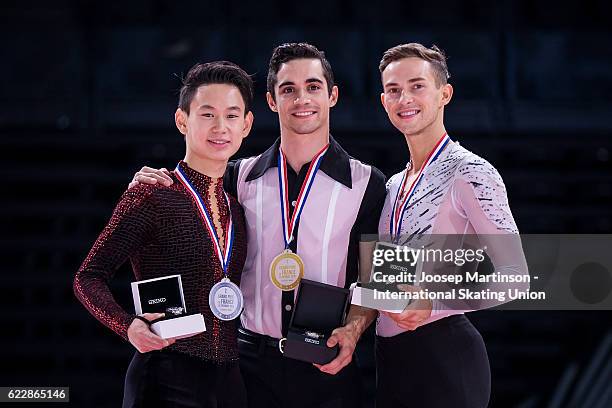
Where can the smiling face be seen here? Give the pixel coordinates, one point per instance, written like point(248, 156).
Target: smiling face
point(216, 124)
point(412, 99)
point(301, 98)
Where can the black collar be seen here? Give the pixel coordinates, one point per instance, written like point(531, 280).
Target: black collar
point(336, 163)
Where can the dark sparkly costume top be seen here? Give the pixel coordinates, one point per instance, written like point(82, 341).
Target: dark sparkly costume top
point(160, 231)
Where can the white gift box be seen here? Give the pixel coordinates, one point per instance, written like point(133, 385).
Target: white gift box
point(160, 295)
point(368, 297)
point(365, 297)
point(179, 327)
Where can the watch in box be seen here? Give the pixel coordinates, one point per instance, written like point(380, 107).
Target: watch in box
point(165, 295)
point(319, 309)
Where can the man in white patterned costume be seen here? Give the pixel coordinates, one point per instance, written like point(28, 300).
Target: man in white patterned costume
point(430, 355)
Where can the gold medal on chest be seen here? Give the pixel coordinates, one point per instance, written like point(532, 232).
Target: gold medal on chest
point(286, 270)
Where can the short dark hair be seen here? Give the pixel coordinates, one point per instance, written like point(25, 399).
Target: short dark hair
point(434, 55)
point(217, 72)
point(291, 51)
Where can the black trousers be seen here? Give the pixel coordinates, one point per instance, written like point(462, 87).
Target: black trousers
point(274, 381)
point(161, 379)
point(442, 364)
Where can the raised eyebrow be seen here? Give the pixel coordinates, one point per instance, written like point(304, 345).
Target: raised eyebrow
point(411, 80)
point(286, 83)
point(235, 108)
point(205, 106)
point(317, 80)
point(391, 84)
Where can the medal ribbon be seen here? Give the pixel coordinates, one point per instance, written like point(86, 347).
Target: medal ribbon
point(289, 224)
point(224, 256)
point(400, 204)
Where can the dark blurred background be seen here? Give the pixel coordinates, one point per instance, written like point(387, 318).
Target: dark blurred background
point(87, 96)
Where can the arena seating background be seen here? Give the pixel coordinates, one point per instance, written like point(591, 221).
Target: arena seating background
point(87, 95)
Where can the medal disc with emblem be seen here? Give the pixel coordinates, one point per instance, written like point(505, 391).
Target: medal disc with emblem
point(225, 300)
point(286, 270)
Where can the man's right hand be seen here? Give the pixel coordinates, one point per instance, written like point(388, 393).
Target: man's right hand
point(148, 175)
point(141, 336)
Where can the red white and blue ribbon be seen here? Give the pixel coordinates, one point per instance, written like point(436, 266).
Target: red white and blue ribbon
point(225, 255)
point(289, 224)
point(401, 203)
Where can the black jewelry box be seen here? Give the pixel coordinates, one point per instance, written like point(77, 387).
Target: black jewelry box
point(319, 309)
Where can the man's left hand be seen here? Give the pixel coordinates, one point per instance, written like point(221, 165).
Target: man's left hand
point(346, 337)
point(414, 314)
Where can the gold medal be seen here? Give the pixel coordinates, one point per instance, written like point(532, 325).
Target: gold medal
point(286, 270)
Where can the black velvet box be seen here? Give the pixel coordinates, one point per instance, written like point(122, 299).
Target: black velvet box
point(319, 309)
